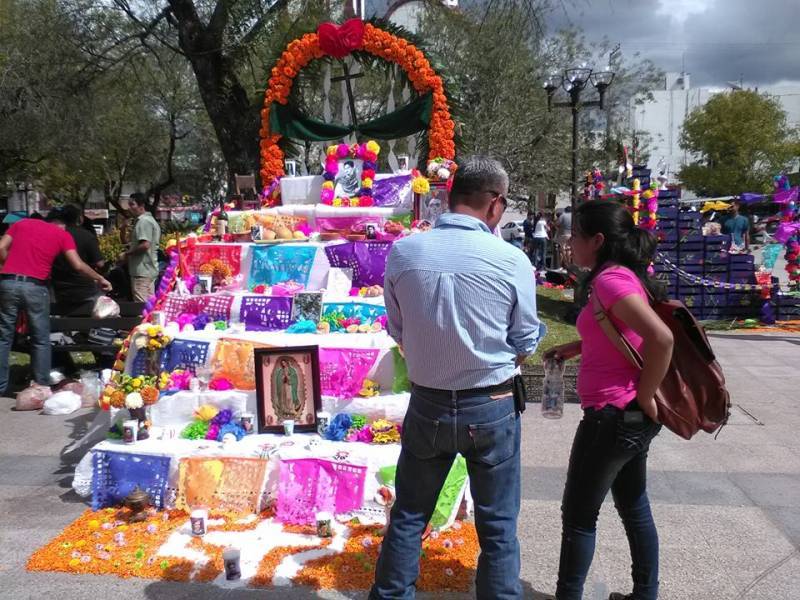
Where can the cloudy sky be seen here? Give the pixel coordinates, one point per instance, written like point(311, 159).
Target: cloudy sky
point(717, 40)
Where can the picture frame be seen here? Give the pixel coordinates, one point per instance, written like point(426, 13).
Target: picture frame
point(348, 178)
point(429, 207)
point(290, 167)
point(307, 306)
point(371, 230)
point(403, 163)
point(287, 387)
point(204, 285)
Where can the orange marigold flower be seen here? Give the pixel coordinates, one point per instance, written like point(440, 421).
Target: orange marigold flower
point(118, 399)
point(149, 395)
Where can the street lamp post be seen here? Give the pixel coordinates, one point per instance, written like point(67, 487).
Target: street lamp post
point(574, 81)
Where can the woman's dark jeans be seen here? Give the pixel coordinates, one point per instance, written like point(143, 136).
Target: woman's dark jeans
point(609, 452)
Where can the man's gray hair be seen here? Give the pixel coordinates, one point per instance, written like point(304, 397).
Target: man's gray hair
point(479, 174)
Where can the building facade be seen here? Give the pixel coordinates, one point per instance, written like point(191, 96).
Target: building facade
point(657, 123)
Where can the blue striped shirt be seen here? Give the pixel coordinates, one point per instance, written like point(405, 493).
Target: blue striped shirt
point(462, 304)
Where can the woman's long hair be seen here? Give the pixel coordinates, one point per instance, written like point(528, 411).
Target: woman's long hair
point(625, 244)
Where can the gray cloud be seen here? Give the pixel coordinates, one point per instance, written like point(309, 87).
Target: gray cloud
point(717, 40)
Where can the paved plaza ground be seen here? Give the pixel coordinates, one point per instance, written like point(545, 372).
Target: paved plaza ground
point(728, 510)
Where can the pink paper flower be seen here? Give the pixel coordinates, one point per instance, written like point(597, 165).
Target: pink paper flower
point(220, 384)
point(343, 150)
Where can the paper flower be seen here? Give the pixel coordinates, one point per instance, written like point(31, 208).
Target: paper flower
point(338, 427)
point(233, 428)
point(223, 417)
point(196, 430)
point(206, 412)
point(420, 185)
point(134, 400)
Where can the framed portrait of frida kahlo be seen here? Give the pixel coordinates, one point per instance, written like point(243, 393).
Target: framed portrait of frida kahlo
point(287, 388)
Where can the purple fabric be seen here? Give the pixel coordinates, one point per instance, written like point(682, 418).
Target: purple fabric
point(266, 313)
point(392, 191)
point(347, 223)
point(786, 196)
point(786, 231)
point(367, 259)
point(750, 197)
point(340, 255)
point(117, 474)
point(184, 354)
point(370, 262)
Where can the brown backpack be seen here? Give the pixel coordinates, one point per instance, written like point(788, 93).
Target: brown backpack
point(693, 395)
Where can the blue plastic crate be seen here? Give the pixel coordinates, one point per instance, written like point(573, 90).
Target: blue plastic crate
point(691, 246)
point(717, 239)
point(744, 299)
point(690, 235)
point(715, 268)
point(742, 260)
point(741, 277)
point(667, 212)
point(668, 194)
point(691, 300)
point(690, 258)
point(716, 258)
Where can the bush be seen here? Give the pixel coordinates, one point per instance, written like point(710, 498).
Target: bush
point(111, 246)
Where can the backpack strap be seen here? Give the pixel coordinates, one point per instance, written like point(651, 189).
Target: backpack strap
point(614, 335)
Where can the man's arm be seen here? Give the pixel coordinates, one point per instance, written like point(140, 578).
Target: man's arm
point(525, 330)
point(81, 267)
point(5, 244)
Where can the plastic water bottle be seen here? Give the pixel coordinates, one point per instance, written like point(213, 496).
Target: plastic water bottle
point(553, 389)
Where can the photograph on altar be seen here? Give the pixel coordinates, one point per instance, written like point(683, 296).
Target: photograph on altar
point(348, 178)
point(429, 207)
point(287, 388)
point(307, 306)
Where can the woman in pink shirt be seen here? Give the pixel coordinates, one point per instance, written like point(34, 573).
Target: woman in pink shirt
point(620, 413)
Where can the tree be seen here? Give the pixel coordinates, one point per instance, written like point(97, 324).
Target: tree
point(496, 57)
point(740, 140)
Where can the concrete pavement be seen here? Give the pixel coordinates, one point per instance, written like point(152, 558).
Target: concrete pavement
point(728, 510)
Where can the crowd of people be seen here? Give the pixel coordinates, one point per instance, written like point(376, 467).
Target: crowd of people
point(545, 238)
point(57, 259)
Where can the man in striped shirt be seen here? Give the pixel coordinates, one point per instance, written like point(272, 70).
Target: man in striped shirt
point(461, 304)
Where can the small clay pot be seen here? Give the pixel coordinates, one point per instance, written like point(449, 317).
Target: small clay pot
point(356, 237)
point(329, 236)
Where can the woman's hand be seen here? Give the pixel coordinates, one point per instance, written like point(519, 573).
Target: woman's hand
point(564, 351)
point(649, 407)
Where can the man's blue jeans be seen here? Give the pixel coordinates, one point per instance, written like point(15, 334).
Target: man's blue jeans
point(609, 452)
point(35, 300)
point(485, 429)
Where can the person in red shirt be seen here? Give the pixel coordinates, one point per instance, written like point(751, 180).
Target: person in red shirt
point(27, 252)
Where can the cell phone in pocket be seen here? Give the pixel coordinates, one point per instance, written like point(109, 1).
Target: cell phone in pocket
point(633, 416)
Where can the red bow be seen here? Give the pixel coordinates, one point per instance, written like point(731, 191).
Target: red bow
point(339, 41)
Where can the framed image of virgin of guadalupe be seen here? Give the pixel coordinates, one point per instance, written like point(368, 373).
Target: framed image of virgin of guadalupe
point(287, 388)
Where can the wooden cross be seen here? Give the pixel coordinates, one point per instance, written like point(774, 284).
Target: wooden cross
point(346, 78)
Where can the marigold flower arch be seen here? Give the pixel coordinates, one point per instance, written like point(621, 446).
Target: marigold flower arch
point(378, 42)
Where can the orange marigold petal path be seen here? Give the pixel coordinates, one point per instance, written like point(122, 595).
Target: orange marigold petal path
point(96, 535)
point(448, 562)
point(91, 545)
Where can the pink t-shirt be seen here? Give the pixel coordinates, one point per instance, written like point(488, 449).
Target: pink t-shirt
point(35, 244)
point(605, 375)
